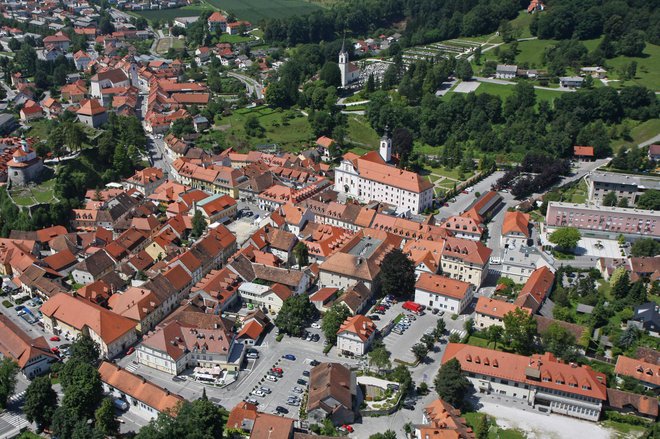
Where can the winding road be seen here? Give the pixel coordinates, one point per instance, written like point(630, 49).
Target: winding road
point(253, 86)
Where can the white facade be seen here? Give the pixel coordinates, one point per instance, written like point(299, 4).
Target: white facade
point(349, 72)
point(351, 342)
point(349, 181)
point(261, 296)
point(442, 302)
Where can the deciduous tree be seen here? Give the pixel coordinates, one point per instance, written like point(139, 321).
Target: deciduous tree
point(8, 372)
point(566, 237)
point(451, 384)
point(519, 331)
point(397, 274)
point(40, 402)
point(296, 312)
point(332, 320)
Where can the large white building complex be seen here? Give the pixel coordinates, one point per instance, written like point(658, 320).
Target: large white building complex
point(544, 382)
point(373, 178)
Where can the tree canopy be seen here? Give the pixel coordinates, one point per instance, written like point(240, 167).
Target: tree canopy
point(519, 331)
point(450, 383)
point(8, 372)
point(566, 237)
point(397, 273)
point(645, 247)
point(332, 320)
point(296, 312)
point(40, 402)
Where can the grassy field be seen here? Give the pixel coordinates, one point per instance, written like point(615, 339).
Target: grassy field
point(648, 68)
point(291, 135)
point(639, 133)
point(255, 10)
point(521, 24)
point(361, 134)
point(495, 432)
point(504, 91)
point(28, 196)
point(226, 38)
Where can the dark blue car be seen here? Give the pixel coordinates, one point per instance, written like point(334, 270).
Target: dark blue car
point(289, 357)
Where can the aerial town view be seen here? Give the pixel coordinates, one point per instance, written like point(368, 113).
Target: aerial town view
point(300, 219)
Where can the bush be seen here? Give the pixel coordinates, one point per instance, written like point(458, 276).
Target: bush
point(279, 337)
point(7, 304)
point(611, 415)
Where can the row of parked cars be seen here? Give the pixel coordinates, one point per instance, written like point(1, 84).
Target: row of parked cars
point(404, 324)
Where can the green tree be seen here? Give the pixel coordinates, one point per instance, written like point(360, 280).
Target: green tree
point(387, 434)
point(301, 252)
point(566, 237)
point(649, 200)
point(464, 69)
point(198, 224)
point(628, 337)
point(296, 312)
point(330, 74)
point(40, 402)
point(450, 383)
point(623, 202)
point(645, 247)
point(105, 420)
point(85, 349)
point(397, 273)
point(253, 128)
point(621, 286)
point(519, 331)
point(440, 327)
point(8, 372)
point(371, 84)
point(420, 350)
point(610, 199)
point(65, 421)
point(379, 356)
point(482, 427)
point(200, 419)
point(560, 341)
point(332, 320)
point(494, 334)
point(428, 340)
point(82, 387)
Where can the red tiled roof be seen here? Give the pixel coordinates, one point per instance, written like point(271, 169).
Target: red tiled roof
point(442, 285)
point(583, 151)
point(638, 369)
point(516, 222)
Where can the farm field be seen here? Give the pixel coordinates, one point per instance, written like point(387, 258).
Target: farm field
point(256, 10)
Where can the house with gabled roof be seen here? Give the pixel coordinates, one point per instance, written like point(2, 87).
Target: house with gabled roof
point(355, 335)
point(540, 380)
point(68, 315)
point(32, 355)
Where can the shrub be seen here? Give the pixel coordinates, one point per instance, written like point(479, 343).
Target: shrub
point(7, 304)
point(279, 337)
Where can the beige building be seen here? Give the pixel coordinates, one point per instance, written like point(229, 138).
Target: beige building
point(264, 297)
point(65, 314)
point(465, 260)
point(490, 312)
point(355, 335)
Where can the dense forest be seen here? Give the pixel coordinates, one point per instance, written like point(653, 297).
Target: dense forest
point(424, 21)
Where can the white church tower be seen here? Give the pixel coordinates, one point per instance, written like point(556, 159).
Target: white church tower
point(343, 65)
point(386, 147)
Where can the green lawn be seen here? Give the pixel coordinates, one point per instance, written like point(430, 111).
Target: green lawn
point(256, 10)
point(226, 38)
point(648, 68)
point(504, 91)
point(361, 135)
point(290, 135)
point(639, 133)
point(42, 193)
point(476, 341)
point(495, 432)
point(521, 24)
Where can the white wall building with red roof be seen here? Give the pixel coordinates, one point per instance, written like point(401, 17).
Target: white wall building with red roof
point(544, 382)
point(371, 178)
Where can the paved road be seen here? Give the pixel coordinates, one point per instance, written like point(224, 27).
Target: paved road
point(651, 141)
point(253, 86)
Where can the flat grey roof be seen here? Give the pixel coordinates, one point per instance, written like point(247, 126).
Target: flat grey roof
point(365, 247)
point(626, 179)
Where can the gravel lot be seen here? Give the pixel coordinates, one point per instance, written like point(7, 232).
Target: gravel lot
point(540, 426)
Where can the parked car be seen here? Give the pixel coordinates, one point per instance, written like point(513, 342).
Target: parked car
point(374, 317)
point(297, 389)
point(408, 406)
point(277, 369)
point(271, 378)
point(292, 402)
point(316, 325)
point(54, 350)
point(289, 357)
point(281, 410)
point(435, 310)
point(305, 373)
point(252, 401)
point(316, 337)
point(177, 379)
point(258, 392)
point(120, 404)
point(301, 382)
point(347, 428)
point(54, 338)
point(265, 389)
point(130, 350)
point(253, 355)
point(314, 363)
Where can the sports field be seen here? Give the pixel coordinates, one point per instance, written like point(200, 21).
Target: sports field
point(256, 10)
